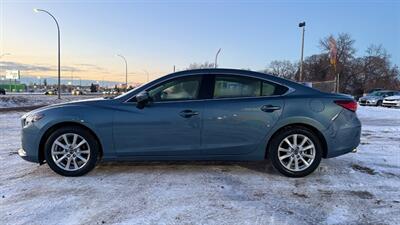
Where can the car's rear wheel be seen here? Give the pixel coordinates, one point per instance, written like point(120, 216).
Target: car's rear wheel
point(379, 103)
point(71, 151)
point(295, 151)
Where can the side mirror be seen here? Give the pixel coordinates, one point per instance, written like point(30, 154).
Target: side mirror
point(142, 99)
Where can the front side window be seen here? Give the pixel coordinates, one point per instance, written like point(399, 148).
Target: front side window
point(240, 86)
point(186, 88)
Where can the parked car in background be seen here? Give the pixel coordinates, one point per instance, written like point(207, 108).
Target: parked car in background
point(206, 114)
point(392, 101)
point(376, 98)
point(112, 92)
point(77, 92)
point(50, 92)
point(2, 91)
point(373, 90)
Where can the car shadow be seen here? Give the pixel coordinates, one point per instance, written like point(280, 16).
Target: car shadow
point(223, 166)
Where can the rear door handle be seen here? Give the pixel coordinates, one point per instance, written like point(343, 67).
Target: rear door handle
point(270, 108)
point(188, 113)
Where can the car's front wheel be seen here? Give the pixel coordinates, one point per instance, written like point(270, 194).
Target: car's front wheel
point(295, 151)
point(71, 151)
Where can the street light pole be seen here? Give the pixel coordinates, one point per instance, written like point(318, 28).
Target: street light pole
point(126, 71)
point(216, 58)
point(303, 25)
point(59, 55)
point(147, 74)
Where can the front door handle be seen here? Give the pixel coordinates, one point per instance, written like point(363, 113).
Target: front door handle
point(188, 113)
point(270, 108)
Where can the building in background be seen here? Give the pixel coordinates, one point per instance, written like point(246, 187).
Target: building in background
point(10, 81)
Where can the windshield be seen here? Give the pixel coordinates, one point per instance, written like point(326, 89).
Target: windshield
point(378, 93)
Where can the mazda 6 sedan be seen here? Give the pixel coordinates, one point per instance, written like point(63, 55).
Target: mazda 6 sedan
point(206, 114)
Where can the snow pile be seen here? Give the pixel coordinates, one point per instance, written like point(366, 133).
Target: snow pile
point(9, 101)
point(12, 101)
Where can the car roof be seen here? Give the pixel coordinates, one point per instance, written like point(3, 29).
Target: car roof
point(228, 71)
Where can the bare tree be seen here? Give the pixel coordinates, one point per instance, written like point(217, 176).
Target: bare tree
point(317, 68)
point(345, 57)
point(357, 74)
point(377, 70)
point(282, 68)
point(344, 44)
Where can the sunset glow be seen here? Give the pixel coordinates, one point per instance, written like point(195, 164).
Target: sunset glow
point(155, 37)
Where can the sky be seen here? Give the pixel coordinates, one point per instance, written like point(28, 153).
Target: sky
point(156, 35)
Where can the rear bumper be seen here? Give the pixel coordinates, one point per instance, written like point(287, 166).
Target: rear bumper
point(345, 142)
point(343, 136)
point(368, 103)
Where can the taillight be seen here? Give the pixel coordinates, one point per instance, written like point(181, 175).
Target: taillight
point(347, 104)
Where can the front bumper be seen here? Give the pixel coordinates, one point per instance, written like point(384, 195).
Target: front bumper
point(30, 141)
point(391, 103)
point(22, 153)
point(368, 103)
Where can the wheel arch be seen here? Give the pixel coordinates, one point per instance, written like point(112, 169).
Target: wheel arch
point(313, 128)
point(59, 125)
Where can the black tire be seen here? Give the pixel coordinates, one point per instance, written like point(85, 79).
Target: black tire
point(379, 103)
point(91, 140)
point(286, 132)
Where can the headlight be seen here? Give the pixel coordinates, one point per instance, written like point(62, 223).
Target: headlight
point(33, 118)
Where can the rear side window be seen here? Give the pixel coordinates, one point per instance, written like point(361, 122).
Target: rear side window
point(271, 89)
point(240, 86)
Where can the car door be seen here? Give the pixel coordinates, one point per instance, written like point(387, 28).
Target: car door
point(169, 125)
point(240, 115)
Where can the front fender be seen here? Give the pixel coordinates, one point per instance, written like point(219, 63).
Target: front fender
point(96, 120)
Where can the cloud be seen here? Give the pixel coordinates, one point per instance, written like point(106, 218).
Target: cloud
point(21, 66)
point(8, 65)
point(90, 67)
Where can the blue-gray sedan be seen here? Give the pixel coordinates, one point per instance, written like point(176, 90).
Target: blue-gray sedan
point(207, 114)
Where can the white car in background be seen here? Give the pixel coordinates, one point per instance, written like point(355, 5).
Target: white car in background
point(392, 101)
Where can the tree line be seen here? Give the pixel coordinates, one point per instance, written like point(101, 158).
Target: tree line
point(357, 74)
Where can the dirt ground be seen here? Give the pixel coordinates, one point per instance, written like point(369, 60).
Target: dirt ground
point(357, 188)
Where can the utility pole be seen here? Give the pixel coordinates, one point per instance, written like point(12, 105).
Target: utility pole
point(303, 25)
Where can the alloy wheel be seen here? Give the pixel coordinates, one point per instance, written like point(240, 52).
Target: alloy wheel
point(70, 151)
point(296, 152)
